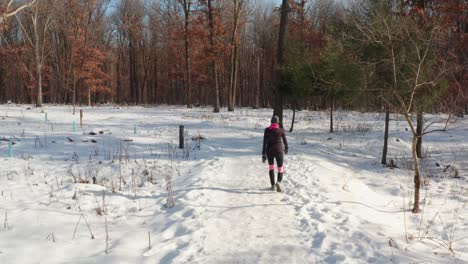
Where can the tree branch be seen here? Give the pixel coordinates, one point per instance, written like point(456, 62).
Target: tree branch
point(8, 14)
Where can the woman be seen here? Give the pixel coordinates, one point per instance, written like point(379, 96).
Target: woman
point(273, 140)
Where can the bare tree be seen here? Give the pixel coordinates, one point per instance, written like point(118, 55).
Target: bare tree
point(187, 7)
point(41, 20)
point(280, 60)
point(8, 10)
point(410, 54)
point(238, 6)
point(213, 66)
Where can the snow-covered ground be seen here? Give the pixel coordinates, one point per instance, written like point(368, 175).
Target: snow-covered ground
point(340, 205)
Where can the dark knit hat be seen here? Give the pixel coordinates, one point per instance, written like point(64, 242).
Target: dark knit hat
point(275, 119)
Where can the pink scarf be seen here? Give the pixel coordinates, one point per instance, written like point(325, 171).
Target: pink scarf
point(273, 126)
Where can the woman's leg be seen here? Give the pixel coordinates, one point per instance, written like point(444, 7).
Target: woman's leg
point(271, 167)
point(279, 162)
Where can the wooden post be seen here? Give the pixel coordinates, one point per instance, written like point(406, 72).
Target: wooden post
point(181, 137)
point(149, 240)
point(81, 117)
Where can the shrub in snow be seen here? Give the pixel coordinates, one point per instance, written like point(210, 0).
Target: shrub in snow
point(451, 171)
point(198, 138)
point(170, 196)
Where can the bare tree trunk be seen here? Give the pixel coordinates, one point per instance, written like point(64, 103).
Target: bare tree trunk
point(417, 179)
point(233, 79)
point(278, 107)
point(234, 67)
point(89, 96)
point(188, 68)
point(294, 115)
point(74, 92)
point(214, 70)
point(118, 83)
point(133, 72)
point(3, 92)
point(188, 75)
point(419, 132)
point(38, 79)
point(385, 146)
point(331, 112)
point(278, 101)
point(259, 83)
point(38, 59)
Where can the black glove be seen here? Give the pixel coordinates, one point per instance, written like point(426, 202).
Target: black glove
point(264, 158)
point(286, 151)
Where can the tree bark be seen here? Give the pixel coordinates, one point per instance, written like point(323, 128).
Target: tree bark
point(385, 146)
point(417, 179)
point(214, 73)
point(419, 132)
point(234, 67)
point(259, 83)
point(278, 101)
point(118, 83)
point(38, 79)
point(188, 77)
point(38, 58)
point(89, 96)
point(233, 79)
point(133, 72)
point(331, 112)
point(214, 70)
point(294, 116)
point(74, 93)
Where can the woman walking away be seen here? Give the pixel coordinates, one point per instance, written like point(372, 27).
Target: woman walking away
point(273, 149)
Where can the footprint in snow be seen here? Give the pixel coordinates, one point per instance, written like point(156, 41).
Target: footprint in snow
point(344, 228)
point(189, 213)
point(318, 240)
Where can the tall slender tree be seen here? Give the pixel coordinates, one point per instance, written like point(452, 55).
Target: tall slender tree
point(213, 65)
point(238, 6)
point(41, 20)
point(280, 61)
point(187, 8)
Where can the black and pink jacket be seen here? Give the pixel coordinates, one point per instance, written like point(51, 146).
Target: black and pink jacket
point(272, 139)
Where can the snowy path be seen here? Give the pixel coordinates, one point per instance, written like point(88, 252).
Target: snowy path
point(243, 220)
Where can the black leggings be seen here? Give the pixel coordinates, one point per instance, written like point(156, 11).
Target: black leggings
point(275, 155)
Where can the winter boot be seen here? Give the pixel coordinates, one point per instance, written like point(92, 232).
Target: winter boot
point(278, 187)
point(278, 184)
point(272, 180)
